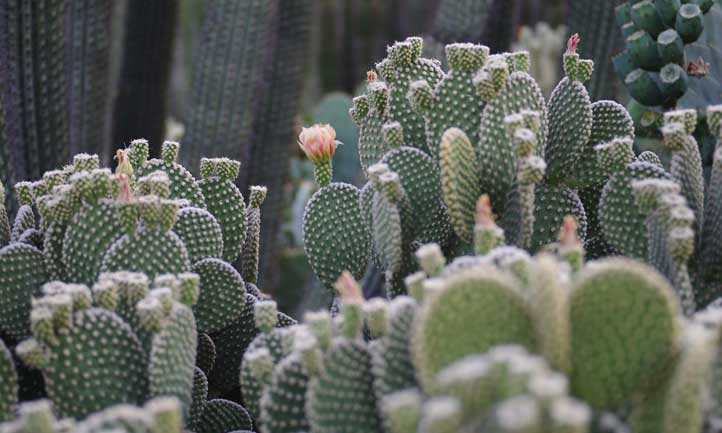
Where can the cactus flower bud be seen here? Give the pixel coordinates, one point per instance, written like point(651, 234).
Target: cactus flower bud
point(319, 143)
point(124, 165)
point(571, 248)
point(573, 43)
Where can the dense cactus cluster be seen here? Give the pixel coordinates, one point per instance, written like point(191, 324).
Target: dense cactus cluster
point(541, 276)
point(118, 288)
point(431, 142)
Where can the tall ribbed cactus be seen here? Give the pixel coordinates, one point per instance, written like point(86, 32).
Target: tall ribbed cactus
point(274, 126)
point(228, 77)
point(140, 107)
point(88, 67)
point(32, 48)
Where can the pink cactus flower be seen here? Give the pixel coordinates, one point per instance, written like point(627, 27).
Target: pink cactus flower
point(698, 68)
point(573, 44)
point(318, 142)
point(484, 215)
point(568, 237)
point(348, 289)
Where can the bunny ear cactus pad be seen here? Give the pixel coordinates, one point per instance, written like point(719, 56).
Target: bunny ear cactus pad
point(206, 353)
point(570, 126)
point(404, 66)
point(495, 153)
point(459, 181)
point(370, 114)
point(8, 384)
point(610, 120)
point(620, 217)
point(222, 297)
point(283, 406)
point(200, 399)
point(420, 180)
point(473, 310)
point(22, 273)
point(335, 234)
point(153, 249)
point(625, 325)
point(551, 205)
point(225, 202)
point(393, 366)
point(224, 416)
point(94, 362)
point(200, 232)
point(89, 235)
point(24, 220)
point(455, 101)
point(231, 343)
point(182, 183)
point(173, 355)
point(342, 399)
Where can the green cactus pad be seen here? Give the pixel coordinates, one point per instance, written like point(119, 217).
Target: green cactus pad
point(200, 232)
point(182, 183)
point(8, 384)
point(455, 100)
point(392, 365)
point(459, 181)
point(53, 250)
point(231, 343)
point(335, 235)
point(24, 220)
point(32, 237)
point(173, 355)
point(22, 273)
point(284, 401)
point(278, 343)
point(624, 319)
point(200, 397)
point(610, 120)
point(420, 179)
point(224, 416)
point(595, 244)
point(206, 353)
point(98, 362)
point(223, 295)
point(342, 399)
point(551, 205)
point(495, 153)
point(570, 126)
point(620, 217)
point(387, 233)
point(225, 202)
point(371, 144)
point(403, 68)
point(475, 309)
point(151, 251)
point(89, 235)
